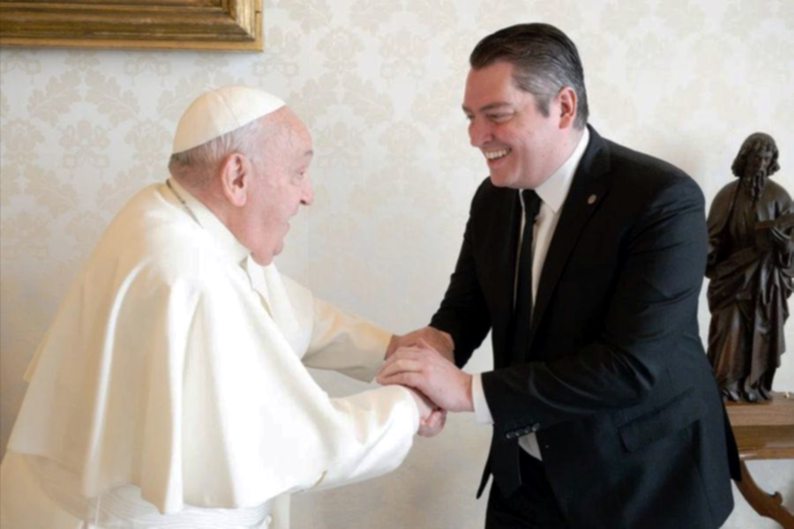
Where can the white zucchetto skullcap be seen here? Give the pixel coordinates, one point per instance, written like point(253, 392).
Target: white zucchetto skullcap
point(219, 111)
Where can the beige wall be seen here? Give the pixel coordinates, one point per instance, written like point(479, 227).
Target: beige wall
point(380, 84)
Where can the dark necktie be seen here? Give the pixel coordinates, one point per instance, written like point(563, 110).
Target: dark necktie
point(522, 312)
point(504, 459)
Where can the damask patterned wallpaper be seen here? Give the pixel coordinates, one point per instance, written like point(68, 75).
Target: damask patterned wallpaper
point(380, 83)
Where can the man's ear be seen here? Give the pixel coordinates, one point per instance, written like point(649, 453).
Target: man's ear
point(567, 100)
point(236, 174)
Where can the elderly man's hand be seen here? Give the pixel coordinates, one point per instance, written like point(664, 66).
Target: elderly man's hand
point(431, 418)
point(427, 371)
point(439, 340)
point(434, 423)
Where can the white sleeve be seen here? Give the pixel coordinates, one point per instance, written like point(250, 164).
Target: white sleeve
point(260, 426)
point(339, 341)
point(345, 343)
point(481, 410)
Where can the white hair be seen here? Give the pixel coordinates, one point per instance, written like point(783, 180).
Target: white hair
point(196, 166)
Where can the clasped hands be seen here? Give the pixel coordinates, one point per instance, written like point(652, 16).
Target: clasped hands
point(422, 361)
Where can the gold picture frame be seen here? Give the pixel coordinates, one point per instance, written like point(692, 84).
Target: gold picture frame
point(234, 25)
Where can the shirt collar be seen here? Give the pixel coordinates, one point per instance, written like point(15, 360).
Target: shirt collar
point(227, 242)
point(555, 189)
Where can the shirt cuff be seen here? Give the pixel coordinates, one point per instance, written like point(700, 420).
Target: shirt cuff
point(481, 410)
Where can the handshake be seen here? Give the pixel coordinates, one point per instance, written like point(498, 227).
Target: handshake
point(423, 362)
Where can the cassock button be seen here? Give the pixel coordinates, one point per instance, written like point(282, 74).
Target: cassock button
point(592, 199)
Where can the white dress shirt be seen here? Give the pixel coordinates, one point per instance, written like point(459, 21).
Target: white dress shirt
point(552, 193)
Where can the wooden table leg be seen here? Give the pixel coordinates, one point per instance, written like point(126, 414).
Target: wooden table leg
point(769, 505)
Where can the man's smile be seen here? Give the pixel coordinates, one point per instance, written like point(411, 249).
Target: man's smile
point(493, 155)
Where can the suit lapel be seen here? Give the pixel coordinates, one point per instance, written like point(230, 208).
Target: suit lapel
point(584, 197)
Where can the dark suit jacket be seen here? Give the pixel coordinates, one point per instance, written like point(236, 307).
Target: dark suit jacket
point(615, 381)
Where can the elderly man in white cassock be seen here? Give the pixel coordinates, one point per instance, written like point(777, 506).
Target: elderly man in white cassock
point(171, 389)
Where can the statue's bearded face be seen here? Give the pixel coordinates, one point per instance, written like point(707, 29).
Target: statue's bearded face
point(758, 161)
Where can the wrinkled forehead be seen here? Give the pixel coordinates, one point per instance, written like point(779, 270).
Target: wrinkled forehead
point(287, 134)
point(301, 135)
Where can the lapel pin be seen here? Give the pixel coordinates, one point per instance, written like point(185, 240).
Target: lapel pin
point(592, 199)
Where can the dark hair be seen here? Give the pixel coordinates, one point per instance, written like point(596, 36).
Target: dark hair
point(545, 61)
point(758, 141)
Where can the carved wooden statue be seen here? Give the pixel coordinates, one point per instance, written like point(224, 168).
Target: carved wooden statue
point(750, 265)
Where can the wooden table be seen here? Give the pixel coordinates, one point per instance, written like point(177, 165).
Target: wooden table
point(764, 431)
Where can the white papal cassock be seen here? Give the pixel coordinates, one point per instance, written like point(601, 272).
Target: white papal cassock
point(174, 373)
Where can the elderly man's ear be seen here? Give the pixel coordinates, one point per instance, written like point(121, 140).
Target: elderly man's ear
point(236, 175)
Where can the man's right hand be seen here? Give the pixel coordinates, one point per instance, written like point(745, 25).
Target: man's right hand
point(426, 371)
point(439, 340)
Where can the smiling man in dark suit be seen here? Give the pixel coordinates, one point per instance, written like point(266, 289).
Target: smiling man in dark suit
point(585, 260)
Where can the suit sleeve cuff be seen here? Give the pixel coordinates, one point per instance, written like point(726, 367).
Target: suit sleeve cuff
point(481, 410)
